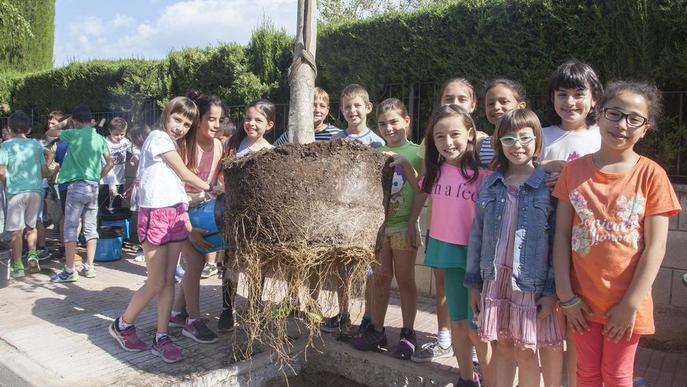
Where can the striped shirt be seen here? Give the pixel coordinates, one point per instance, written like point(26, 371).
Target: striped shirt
point(486, 151)
point(325, 134)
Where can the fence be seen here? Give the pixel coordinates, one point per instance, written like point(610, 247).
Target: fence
point(420, 98)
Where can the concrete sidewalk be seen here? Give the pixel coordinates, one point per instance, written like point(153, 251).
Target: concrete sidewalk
point(56, 334)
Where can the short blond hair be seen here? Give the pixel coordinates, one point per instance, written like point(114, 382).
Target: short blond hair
point(321, 94)
point(355, 90)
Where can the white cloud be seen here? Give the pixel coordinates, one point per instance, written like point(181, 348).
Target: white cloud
point(189, 23)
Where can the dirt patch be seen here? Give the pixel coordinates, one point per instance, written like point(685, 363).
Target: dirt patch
point(303, 213)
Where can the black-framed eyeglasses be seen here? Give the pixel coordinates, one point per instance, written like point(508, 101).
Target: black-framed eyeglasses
point(509, 141)
point(633, 120)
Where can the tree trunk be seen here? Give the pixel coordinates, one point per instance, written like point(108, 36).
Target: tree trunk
point(302, 75)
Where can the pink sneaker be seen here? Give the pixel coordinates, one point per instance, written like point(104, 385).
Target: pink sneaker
point(127, 338)
point(179, 321)
point(166, 349)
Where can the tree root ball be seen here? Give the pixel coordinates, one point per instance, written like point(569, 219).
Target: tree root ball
point(302, 214)
point(329, 194)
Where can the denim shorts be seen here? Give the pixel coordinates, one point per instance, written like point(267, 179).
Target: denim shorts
point(81, 204)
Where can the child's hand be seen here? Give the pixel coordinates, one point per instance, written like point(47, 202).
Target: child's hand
point(398, 159)
point(545, 306)
point(553, 166)
point(195, 235)
point(551, 180)
point(575, 316)
point(475, 298)
point(621, 322)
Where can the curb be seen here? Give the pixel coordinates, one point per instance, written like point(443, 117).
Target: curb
point(17, 369)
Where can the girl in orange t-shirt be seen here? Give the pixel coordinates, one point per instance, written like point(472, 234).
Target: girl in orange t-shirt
point(611, 232)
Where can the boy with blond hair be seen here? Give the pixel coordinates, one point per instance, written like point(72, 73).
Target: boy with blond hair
point(22, 167)
point(323, 130)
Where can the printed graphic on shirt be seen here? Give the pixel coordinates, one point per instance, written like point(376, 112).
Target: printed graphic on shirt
point(622, 228)
point(573, 156)
point(397, 182)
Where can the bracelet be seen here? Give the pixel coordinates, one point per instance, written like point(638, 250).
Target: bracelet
point(573, 298)
point(572, 304)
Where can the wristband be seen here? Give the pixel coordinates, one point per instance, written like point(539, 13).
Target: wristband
point(573, 298)
point(572, 304)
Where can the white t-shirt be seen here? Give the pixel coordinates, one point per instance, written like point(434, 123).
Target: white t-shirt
point(117, 174)
point(158, 185)
point(565, 145)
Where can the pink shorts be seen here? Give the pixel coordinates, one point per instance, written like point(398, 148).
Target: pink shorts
point(160, 226)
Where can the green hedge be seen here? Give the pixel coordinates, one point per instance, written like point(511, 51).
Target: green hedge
point(22, 51)
point(519, 39)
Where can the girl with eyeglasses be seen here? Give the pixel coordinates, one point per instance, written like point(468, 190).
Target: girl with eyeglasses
point(509, 269)
point(611, 232)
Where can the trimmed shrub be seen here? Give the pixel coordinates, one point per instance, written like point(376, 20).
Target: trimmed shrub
point(27, 32)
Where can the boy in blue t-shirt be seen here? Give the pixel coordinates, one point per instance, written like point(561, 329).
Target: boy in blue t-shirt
point(22, 167)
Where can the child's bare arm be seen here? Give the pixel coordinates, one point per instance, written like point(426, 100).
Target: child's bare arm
point(175, 162)
point(108, 164)
point(418, 203)
point(621, 317)
point(561, 267)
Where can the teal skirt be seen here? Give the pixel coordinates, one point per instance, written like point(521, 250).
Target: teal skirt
point(441, 255)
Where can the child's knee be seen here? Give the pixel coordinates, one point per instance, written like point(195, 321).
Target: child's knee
point(526, 357)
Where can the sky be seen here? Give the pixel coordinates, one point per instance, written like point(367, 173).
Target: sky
point(150, 29)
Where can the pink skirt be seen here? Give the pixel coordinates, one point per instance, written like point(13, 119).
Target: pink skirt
point(511, 314)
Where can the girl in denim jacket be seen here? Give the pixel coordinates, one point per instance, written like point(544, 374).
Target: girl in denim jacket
point(509, 268)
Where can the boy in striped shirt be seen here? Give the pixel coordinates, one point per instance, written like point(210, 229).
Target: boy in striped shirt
point(323, 130)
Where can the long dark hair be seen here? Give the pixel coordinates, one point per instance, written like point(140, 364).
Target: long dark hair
point(469, 164)
point(187, 146)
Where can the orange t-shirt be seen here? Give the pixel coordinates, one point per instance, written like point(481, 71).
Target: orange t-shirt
point(608, 230)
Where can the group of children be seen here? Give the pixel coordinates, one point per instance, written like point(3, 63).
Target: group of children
point(537, 236)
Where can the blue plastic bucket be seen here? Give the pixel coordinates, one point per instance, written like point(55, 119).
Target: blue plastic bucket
point(124, 224)
point(119, 217)
point(109, 247)
point(209, 215)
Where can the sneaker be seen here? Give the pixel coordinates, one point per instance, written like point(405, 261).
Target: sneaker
point(166, 349)
point(65, 276)
point(127, 338)
point(336, 323)
point(406, 347)
point(179, 273)
point(43, 254)
point(179, 321)
point(32, 260)
point(283, 311)
point(199, 331)
point(90, 273)
point(431, 351)
point(17, 270)
point(364, 323)
point(226, 321)
point(369, 339)
point(209, 270)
